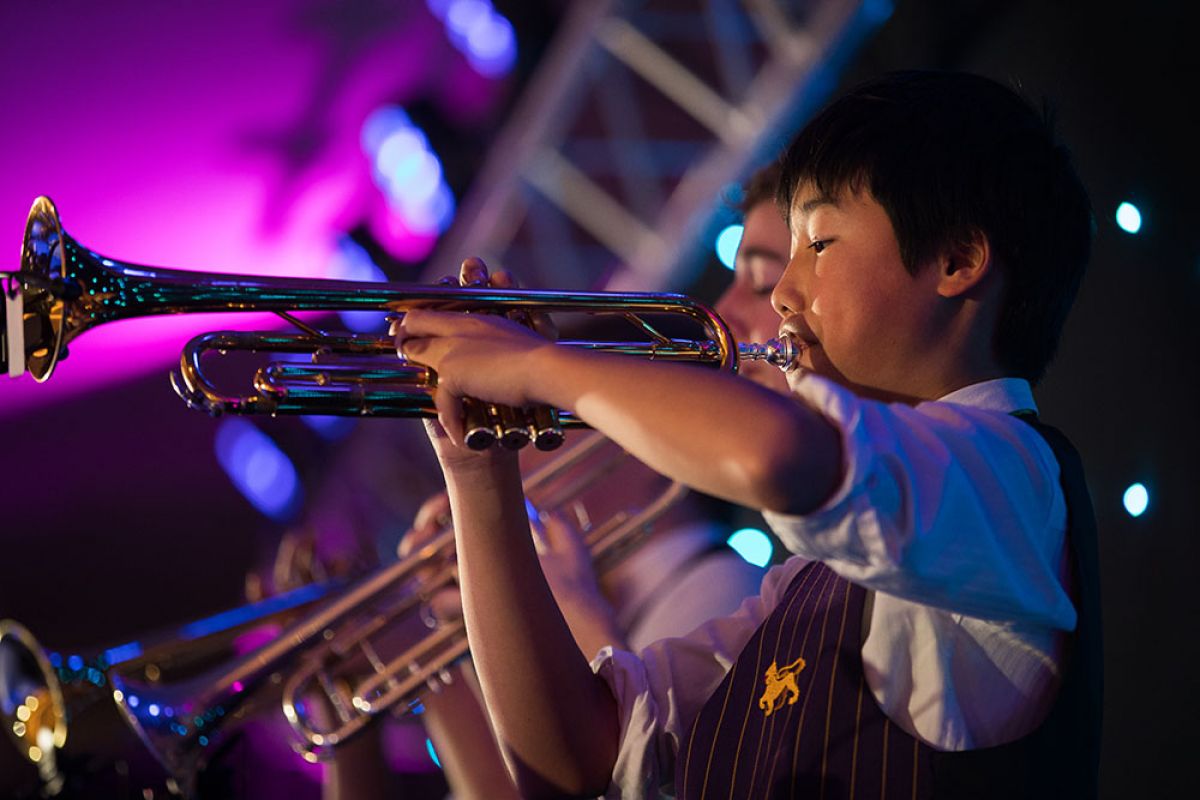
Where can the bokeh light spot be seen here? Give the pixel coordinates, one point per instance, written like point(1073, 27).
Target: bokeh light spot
point(1129, 218)
point(1136, 499)
point(258, 468)
point(752, 545)
point(728, 241)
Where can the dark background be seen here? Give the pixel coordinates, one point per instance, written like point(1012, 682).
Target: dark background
point(118, 519)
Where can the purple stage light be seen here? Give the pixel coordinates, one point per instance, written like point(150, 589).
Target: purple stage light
point(248, 163)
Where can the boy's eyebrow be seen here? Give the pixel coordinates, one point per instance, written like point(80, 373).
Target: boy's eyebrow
point(810, 205)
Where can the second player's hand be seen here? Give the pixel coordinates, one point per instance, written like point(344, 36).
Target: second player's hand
point(433, 519)
point(567, 564)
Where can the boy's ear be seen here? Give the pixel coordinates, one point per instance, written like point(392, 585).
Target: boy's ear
point(964, 265)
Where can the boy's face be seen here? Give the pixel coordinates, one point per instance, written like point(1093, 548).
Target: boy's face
point(746, 304)
point(846, 294)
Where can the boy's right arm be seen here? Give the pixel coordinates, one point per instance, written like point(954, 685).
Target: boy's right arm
point(556, 720)
point(707, 429)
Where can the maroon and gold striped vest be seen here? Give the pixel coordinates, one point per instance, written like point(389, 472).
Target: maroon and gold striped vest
point(795, 718)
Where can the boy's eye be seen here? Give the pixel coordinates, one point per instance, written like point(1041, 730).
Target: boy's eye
point(819, 245)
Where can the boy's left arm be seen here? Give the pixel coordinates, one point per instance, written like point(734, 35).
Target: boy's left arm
point(709, 430)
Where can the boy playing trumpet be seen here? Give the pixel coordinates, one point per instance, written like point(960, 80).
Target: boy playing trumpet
point(942, 600)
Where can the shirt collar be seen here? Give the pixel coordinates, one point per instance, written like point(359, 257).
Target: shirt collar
point(1005, 395)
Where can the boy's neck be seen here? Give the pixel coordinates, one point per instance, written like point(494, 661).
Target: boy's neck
point(933, 384)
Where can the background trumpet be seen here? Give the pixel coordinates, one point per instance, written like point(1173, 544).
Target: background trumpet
point(344, 659)
point(58, 709)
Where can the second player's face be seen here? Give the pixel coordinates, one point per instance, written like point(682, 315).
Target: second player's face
point(746, 304)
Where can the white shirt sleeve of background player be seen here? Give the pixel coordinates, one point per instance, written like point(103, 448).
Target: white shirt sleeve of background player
point(660, 690)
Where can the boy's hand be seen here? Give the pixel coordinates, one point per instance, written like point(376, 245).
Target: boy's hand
point(484, 356)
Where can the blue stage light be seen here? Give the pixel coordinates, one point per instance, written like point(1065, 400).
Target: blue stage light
point(123, 653)
point(485, 37)
point(438, 7)
point(379, 125)
point(728, 241)
point(330, 428)
point(408, 171)
point(463, 15)
point(350, 262)
point(752, 545)
point(878, 11)
point(430, 215)
point(432, 752)
point(402, 162)
point(258, 468)
point(492, 46)
point(1136, 499)
point(1129, 218)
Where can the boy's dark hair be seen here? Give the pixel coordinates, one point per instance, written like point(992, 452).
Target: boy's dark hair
point(949, 155)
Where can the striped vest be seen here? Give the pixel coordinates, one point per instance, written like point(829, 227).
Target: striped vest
point(794, 716)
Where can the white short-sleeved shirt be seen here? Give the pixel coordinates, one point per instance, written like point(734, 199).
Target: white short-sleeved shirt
point(952, 514)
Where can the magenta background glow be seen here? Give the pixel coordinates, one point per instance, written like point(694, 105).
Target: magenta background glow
point(220, 136)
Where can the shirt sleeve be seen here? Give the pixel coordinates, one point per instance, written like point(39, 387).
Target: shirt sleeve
point(660, 690)
point(947, 505)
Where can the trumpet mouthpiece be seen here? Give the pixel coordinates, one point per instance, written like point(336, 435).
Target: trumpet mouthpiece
point(783, 352)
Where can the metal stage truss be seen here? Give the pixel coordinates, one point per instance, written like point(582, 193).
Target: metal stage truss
point(611, 166)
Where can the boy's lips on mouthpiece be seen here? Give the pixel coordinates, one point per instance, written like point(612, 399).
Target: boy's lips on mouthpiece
point(800, 334)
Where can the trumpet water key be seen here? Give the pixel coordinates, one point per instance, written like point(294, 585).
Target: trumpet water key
point(63, 289)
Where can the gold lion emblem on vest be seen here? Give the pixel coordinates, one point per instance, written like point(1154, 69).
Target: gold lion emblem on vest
point(781, 686)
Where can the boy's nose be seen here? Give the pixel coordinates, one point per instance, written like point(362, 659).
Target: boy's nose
point(787, 297)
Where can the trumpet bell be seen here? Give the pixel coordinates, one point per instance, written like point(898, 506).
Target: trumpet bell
point(35, 321)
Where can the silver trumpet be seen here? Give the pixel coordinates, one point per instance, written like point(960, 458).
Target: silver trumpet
point(63, 289)
point(347, 655)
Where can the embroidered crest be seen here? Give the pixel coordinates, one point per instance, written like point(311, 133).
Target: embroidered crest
point(781, 686)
